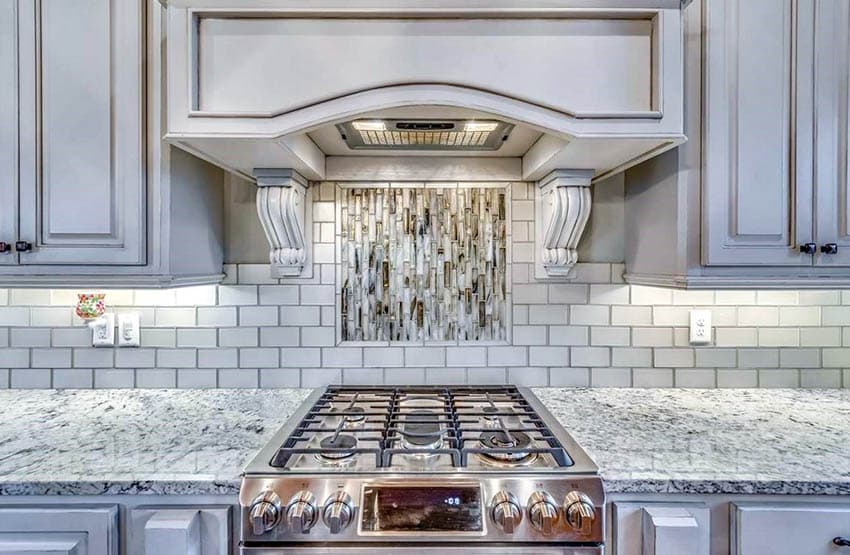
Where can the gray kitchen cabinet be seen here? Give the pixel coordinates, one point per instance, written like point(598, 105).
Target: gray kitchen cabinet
point(787, 528)
point(175, 530)
point(647, 528)
point(765, 169)
point(43, 530)
point(86, 183)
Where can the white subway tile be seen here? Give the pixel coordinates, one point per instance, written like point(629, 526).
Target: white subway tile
point(486, 376)
point(466, 356)
point(799, 316)
point(324, 253)
point(568, 293)
point(799, 358)
point(404, 376)
point(255, 274)
point(278, 294)
point(238, 337)
point(175, 317)
point(217, 316)
point(819, 297)
point(94, 358)
point(328, 315)
point(522, 253)
point(135, 358)
point(590, 356)
point(53, 317)
point(29, 297)
point(775, 377)
point(238, 378)
point(591, 315)
point(671, 315)
point(522, 210)
point(327, 274)
point(610, 377)
point(279, 337)
point(716, 358)
point(548, 314)
point(549, 356)
point(50, 358)
point(836, 358)
point(318, 337)
point(520, 273)
point(652, 337)
point(4, 338)
point(154, 297)
point(176, 358)
point(73, 378)
point(199, 295)
point(674, 358)
point(327, 191)
point(779, 337)
point(301, 357)
point(317, 294)
point(382, 357)
point(14, 316)
point(777, 297)
point(519, 232)
point(506, 356)
point(610, 336)
point(71, 337)
point(646, 295)
point(520, 315)
point(737, 378)
point(320, 377)
point(154, 337)
point(342, 357)
point(237, 295)
point(30, 378)
point(758, 316)
point(156, 378)
point(721, 315)
point(259, 357)
point(694, 377)
point(569, 377)
point(758, 358)
point(445, 376)
point(4, 297)
point(631, 315)
point(258, 316)
point(836, 315)
point(29, 337)
point(231, 273)
point(218, 358)
point(424, 356)
point(735, 297)
point(529, 377)
point(197, 337)
point(631, 357)
point(652, 377)
point(113, 378)
point(529, 335)
point(283, 377)
point(609, 294)
point(193, 378)
point(618, 270)
point(569, 335)
point(820, 337)
point(736, 337)
point(534, 293)
point(362, 376)
point(693, 297)
point(820, 378)
point(324, 211)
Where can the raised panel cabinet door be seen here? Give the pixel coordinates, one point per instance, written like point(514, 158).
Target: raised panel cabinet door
point(757, 190)
point(832, 144)
point(82, 182)
point(56, 529)
point(8, 130)
point(787, 528)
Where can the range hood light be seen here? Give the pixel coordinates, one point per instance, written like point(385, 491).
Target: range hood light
point(375, 125)
point(480, 126)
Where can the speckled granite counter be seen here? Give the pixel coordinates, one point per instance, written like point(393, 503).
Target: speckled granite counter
point(196, 442)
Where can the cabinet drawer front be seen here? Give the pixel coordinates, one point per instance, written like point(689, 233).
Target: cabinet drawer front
point(30, 530)
point(792, 529)
point(82, 182)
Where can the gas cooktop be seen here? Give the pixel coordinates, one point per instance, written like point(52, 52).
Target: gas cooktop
point(422, 464)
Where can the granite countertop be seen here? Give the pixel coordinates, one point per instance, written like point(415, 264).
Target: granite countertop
point(197, 441)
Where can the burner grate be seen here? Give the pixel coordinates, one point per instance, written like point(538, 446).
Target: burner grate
point(393, 421)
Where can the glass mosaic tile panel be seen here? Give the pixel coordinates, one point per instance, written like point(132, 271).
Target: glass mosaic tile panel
point(423, 264)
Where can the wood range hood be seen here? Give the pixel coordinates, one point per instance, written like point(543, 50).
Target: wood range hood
point(262, 88)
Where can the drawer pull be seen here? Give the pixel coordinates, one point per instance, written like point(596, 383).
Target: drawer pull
point(5, 247)
point(809, 248)
point(843, 542)
point(829, 248)
point(23, 246)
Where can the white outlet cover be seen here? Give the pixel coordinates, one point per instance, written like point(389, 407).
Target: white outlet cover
point(128, 329)
point(700, 333)
point(103, 331)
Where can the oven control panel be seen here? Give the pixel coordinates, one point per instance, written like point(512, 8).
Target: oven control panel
point(397, 508)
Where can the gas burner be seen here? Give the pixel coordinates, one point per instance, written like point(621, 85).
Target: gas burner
point(350, 418)
point(500, 439)
point(422, 431)
point(338, 441)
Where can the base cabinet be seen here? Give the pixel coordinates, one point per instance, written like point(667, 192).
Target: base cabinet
point(179, 531)
point(40, 530)
point(787, 529)
point(660, 529)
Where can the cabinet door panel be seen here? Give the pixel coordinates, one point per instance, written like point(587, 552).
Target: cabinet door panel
point(8, 127)
point(57, 530)
point(82, 195)
point(832, 170)
point(757, 194)
point(774, 529)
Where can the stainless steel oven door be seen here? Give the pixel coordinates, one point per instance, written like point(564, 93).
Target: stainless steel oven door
point(433, 549)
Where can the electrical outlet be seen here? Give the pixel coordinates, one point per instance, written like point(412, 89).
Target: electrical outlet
point(128, 329)
point(103, 331)
point(700, 327)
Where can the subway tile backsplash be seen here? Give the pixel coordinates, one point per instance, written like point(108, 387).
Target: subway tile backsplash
point(254, 331)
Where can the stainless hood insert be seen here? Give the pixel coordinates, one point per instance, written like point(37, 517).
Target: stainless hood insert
point(449, 135)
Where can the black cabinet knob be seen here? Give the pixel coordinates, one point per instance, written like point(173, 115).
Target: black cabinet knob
point(829, 248)
point(808, 248)
point(23, 246)
point(843, 542)
point(5, 247)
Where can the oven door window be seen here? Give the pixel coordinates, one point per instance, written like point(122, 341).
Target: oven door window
point(403, 509)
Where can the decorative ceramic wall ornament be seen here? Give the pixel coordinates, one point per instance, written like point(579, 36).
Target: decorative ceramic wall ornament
point(281, 205)
point(90, 306)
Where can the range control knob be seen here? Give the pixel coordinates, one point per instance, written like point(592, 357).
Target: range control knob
point(505, 511)
point(579, 512)
point(301, 512)
point(337, 512)
point(542, 511)
point(265, 512)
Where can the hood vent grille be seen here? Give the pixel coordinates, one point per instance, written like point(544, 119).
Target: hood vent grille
point(424, 134)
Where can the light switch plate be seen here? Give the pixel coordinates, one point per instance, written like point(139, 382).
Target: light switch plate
point(128, 329)
point(700, 327)
point(103, 331)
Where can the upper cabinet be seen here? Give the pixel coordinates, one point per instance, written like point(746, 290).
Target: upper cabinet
point(758, 196)
point(85, 182)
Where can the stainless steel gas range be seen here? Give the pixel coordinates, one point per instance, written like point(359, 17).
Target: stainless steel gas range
point(422, 470)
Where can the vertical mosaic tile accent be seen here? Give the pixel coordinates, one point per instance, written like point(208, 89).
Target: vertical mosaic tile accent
point(423, 264)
